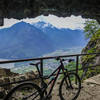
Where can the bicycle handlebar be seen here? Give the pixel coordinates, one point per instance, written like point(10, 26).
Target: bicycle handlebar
point(69, 60)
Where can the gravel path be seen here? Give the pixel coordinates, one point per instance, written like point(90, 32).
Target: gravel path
point(90, 90)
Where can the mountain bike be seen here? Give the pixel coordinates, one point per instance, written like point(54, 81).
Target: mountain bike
point(68, 89)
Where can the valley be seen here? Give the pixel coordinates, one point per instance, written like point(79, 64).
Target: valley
point(24, 40)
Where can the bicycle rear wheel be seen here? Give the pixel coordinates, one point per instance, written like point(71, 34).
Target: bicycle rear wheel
point(25, 91)
point(69, 91)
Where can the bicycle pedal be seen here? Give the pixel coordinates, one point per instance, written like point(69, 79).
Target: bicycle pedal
point(49, 97)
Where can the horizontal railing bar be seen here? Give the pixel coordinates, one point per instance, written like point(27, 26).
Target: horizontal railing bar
point(41, 58)
point(9, 83)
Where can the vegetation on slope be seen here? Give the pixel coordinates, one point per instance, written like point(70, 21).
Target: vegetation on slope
point(92, 32)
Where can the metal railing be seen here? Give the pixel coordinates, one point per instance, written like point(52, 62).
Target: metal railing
point(41, 59)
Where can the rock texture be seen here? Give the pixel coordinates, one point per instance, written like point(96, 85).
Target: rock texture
point(93, 46)
point(31, 8)
point(6, 72)
point(7, 76)
point(90, 89)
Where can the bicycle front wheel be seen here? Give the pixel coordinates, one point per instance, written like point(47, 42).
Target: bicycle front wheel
point(68, 89)
point(25, 91)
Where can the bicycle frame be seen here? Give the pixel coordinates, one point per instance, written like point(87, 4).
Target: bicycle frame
point(53, 81)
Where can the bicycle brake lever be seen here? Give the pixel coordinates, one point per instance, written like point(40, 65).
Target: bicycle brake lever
point(63, 59)
point(70, 60)
point(57, 58)
point(32, 64)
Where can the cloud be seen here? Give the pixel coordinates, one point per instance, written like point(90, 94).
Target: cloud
point(67, 22)
point(60, 22)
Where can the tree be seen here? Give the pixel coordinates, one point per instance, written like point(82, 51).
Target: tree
point(91, 27)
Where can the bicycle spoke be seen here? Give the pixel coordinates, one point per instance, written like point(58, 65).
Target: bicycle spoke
point(31, 95)
point(35, 97)
point(25, 92)
point(70, 90)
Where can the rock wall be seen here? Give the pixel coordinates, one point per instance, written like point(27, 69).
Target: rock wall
point(93, 46)
point(6, 72)
point(31, 8)
point(7, 76)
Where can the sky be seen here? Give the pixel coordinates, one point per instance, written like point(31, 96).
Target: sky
point(59, 22)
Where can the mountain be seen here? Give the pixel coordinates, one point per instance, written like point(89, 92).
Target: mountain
point(62, 38)
point(23, 40)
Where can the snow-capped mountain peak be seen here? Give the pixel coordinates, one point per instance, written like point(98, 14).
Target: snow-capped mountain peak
point(43, 24)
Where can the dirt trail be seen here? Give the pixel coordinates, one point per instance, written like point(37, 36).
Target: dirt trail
point(90, 90)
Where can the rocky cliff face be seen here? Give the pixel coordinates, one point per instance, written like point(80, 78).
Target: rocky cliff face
point(7, 76)
point(32, 8)
point(93, 46)
point(6, 73)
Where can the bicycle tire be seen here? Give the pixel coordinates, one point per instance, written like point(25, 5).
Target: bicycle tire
point(65, 96)
point(27, 86)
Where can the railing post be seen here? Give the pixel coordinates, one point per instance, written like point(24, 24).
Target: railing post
point(41, 70)
point(77, 63)
point(41, 66)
